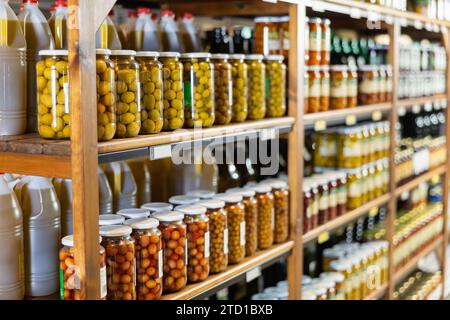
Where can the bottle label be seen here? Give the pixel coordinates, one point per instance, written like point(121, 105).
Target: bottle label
point(339, 88)
point(314, 88)
point(324, 201)
point(315, 41)
point(368, 86)
point(354, 189)
point(225, 241)
point(207, 244)
point(103, 282)
point(242, 233)
point(352, 87)
point(325, 87)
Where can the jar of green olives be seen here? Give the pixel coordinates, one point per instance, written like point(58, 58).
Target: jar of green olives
point(198, 89)
point(276, 86)
point(239, 71)
point(129, 96)
point(257, 86)
point(223, 88)
point(151, 76)
point(106, 96)
point(53, 94)
point(173, 103)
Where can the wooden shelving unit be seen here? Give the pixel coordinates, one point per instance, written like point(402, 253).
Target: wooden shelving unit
point(409, 103)
point(420, 179)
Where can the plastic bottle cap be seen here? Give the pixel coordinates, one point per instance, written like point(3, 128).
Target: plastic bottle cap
point(157, 206)
point(183, 199)
point(167, 13)
point(134, 213)
point(130, 53)
point(194, 55)
point(254, 57)
point(245, 192)
point(169, 216)
point(142, 223)
point(152, 54)
point(115, 231)
point(191, 210)
point(67, 241)
point(110, 219)
point(104, 52)
point(188, 15)
point(212, 203)
point(143, 10)
point(262, 188)
point(231, 198)
point(58, 53)
point(274, 57)
point(202, 194)
point(169, 54)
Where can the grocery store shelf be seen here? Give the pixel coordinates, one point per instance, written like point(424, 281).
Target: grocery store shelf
point(233, 273)
point(378, 293)
point(409, 103)
point(411, 264)
point(346, 218)
point(419, 179)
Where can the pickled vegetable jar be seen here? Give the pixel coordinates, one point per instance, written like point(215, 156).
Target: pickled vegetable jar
point(239, 71)
point(349, 147)
point(326, 147)
point(315, 41)
point(173, 115)
point(174, 249)
point(129, 91)
point(223, 88)
point(280, 192)
point(266, 216)
point(339, 87)
point(368, 84)
point(120, 263)
point(53, 94)
point(256, 87)
point(151, 75)
point(276, 82)
point(352, 87)
point(199, 108)
point(354, 189)
point(324, 88)
point(314, 88)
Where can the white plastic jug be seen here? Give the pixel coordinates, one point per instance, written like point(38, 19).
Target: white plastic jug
point(63, 188)
point(13, 71)
point(144, 36)
point(105, 193)
point(42, 234)
point(12, 280)
point(189, 33)
point(58, 24)
point(107, 36)
point(123, 185)
point(170, 35)
point(141, 174)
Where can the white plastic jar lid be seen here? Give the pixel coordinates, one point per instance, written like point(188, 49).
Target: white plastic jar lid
point(67, 241)
point(169, 54)
point(202, 194)
point(254, 57)
point(245, 192)
point(169, 216)
point(334, 276)
point(54, 52)
point(110, 219)
point(134, 213)
point(123, 53)
point(105, 52)
point(274, 57)
point(194, 55)
point(157, 206)
point(231, 198)
point(212, 203)
point(152, 54)
point(191, 210)
point(115, 231)
point(262, 188)
point(220, 56)
point(183, 199)
point(236, 56)
point(142, 223)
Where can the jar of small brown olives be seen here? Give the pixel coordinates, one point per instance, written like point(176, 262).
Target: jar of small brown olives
point(266, 213)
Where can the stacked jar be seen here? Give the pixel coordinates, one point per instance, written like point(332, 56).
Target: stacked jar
point(256, 86)
point(266, 212)
point(276, 86)
point(223, 88)
point(240, 87)
point(280, 191)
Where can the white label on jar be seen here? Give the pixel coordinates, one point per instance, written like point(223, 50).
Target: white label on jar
point(242, 233)
point(315, 41)
point(339, 89)
point(325, 87)
point(160, 263)
point(371, 183)
point(378, 180)
point(389, 85)
point(207, 244)
point(286, 43)
point(382, 85)
point(342, 195)
point(225, 241)
point(333, 199)
point(352, 88)
point(354, 190)
point(66, 98)
point(103, 282)
point(368, 86)
point(314, 88)
point(323, 201)
point(352, 150)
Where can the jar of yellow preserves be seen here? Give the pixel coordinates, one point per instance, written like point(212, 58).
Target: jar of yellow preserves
point(349, 147)
point(256, 86)
point(365, 144)
point(129, 89)
point(239, 71)
point(364, 184)
point(223, 88)
point(276, 86)
point(151, 75)
point(354, 188)
point(325, 149)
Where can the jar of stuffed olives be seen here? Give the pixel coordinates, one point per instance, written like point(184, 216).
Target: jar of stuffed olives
point(257, 86)
point(151, 75)
point(223, 88)
point(199, 109)
point(240, 87)
point(129, 97)
point(276, 82)
point(280, 191)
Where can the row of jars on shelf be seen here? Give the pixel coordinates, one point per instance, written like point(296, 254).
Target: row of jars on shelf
point(419, 286)
point(146, 92)
point(417, 57)
point(352, 147)
point(148, 256)
point(419, 84)
point(341, 86)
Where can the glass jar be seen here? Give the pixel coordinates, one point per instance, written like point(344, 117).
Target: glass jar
point(218, 259)
point(120, 262)
point(389, 82)
point(306, 108)
point(324, 88)
point(106, 96)
point(323, 193)
point(266, 217)
point(332, 195)
point(314, 88)
point(349, 147)
point(315, 203)
point(307, 207)
point(240, 88)
point(199, 108)
point(338, 279)
point(151, 75)
point(382, 84)
point(354, 188)
point(276, 86)
point(315, 41)
point(174, 243)
point(256, 87)
point(53, 94)
point(197, 223)
point(344, 268)
point(129, 93)
point(339, 87)
point(69, 284)
point(223, 88)
point(352, 87)
point(149, 257)
point(280, 191)
point(173, 104)
point(325, 50)
point(341, 181)
point(325, 150)
point(368, 84)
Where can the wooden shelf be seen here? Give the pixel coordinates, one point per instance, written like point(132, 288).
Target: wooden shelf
point(233, 273)
point(409, 103)
point(419, 179)
point(346, 218)
point(378, 293)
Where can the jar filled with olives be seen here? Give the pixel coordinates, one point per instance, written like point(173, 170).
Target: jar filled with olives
point(149, 257)
point(173, 115)
point(174, 243)
point(69, 286)
point(199, 109)
point(53, 94)
point(339, 87)
point(276, 82)
point(223, 88)
point(129, 93)
point(280, 191)
point(106, 96)
point(266, 215)
point(120, 262)
point(239, 70)
point(257, 86)
point(349, 147)
point(151, 75)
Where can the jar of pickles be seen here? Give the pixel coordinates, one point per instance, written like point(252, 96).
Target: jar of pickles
point(240, 87)
point(315, 41)
point(368, 84)
point(339, 87)
point(199, 90)
point(53, 94)
point(325, 50)
point(256, 87)
point(349, 147)
point(276, 82)
point(69, 286)
point(324, 88)
point(197, 223)
point(266, 215)
point(223, 88)
point(149, 257)
point(174, 243)
point(120, 262)
point(173, 103)
point(151, 76)
point(354, 188)
point(129, 93)
point(314, 88)
point(106, 96)
point(280, 191)
point(352, 87)
point(218, 227)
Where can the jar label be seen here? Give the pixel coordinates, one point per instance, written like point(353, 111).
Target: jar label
point(382, 85)
point(342, 195)
point(326, 41)
point(368, 86)
point(325, 87)
point(242, 233)
point(314, 88)
point(339, 89)
point(333, 199)
point(207, 244)
point(103, 283)
point(225, 241)
point(327, 149)
point(354, 189)
point(324, 201)
point(315, 41)
point(352, 87)
point(389, 85)
point(352, 149)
